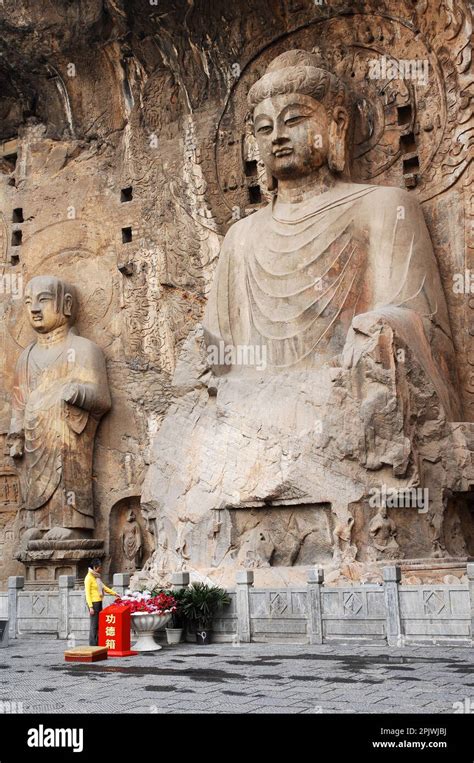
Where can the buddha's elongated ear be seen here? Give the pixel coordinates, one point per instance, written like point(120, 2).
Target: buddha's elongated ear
point(68, 304)
point(337, 139)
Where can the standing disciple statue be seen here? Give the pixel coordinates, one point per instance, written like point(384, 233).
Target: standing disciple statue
point(60, 394)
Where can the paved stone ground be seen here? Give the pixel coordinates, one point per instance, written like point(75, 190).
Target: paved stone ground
point(250, 678)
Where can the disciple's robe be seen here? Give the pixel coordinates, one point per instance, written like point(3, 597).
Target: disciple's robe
point(56, 468)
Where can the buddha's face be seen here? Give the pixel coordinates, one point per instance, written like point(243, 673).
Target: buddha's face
point(292, 132)
point(40, 302)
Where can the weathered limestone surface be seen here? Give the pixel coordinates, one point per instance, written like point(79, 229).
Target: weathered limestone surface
point(127, 154)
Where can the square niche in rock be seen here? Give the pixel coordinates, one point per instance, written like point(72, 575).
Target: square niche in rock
point(282, 536)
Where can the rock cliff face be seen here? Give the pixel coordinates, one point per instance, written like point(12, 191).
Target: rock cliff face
point(127, 153)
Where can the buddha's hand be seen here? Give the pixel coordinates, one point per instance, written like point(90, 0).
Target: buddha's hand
point(15, 445)
point(364, 330)
point(70, 393)
point(367, 323)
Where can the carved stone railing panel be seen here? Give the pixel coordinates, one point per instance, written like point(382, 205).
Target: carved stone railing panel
point(354, 612)
point(441, 611)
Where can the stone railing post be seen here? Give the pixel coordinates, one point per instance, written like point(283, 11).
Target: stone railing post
point(65, 584)
point(314, 607)
point(120, 582)
point(180, 580)
point(470, 580)
point(15, 584)
point(392, 575)
point(244, 580)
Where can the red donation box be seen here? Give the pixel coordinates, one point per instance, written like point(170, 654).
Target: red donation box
point(114, 631)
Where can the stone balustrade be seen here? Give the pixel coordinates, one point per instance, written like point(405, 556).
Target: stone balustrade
point(380, 613)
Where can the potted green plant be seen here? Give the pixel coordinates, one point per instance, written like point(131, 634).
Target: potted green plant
point(200, 604)
point(175, 633)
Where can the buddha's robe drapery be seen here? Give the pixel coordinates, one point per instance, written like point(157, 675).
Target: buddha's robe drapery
point(56, 468)
point(292, 277)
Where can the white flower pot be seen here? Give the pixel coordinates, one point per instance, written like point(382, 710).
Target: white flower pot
point(174, 635)
point(145, 625)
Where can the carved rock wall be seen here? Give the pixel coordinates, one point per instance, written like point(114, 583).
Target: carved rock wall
point(126, 154)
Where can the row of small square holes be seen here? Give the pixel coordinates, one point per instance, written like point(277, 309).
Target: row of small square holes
point(17, 235)
point(126, 194)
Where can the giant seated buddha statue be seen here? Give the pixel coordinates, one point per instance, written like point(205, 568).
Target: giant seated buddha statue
point(323, 375)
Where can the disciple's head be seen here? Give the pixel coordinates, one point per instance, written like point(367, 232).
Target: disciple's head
point(301, 117)
point(50, 303)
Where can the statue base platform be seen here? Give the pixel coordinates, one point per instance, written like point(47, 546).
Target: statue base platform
point(46, 560)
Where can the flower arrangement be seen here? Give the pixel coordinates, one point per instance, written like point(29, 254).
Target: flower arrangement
point(147, 602)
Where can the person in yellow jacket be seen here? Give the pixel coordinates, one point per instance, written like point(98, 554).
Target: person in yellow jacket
point(95, 590)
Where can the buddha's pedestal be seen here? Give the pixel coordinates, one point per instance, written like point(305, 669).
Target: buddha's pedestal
point(46, 560)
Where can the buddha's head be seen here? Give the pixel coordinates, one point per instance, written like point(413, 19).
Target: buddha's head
point(50, 303)
point(301, 117)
